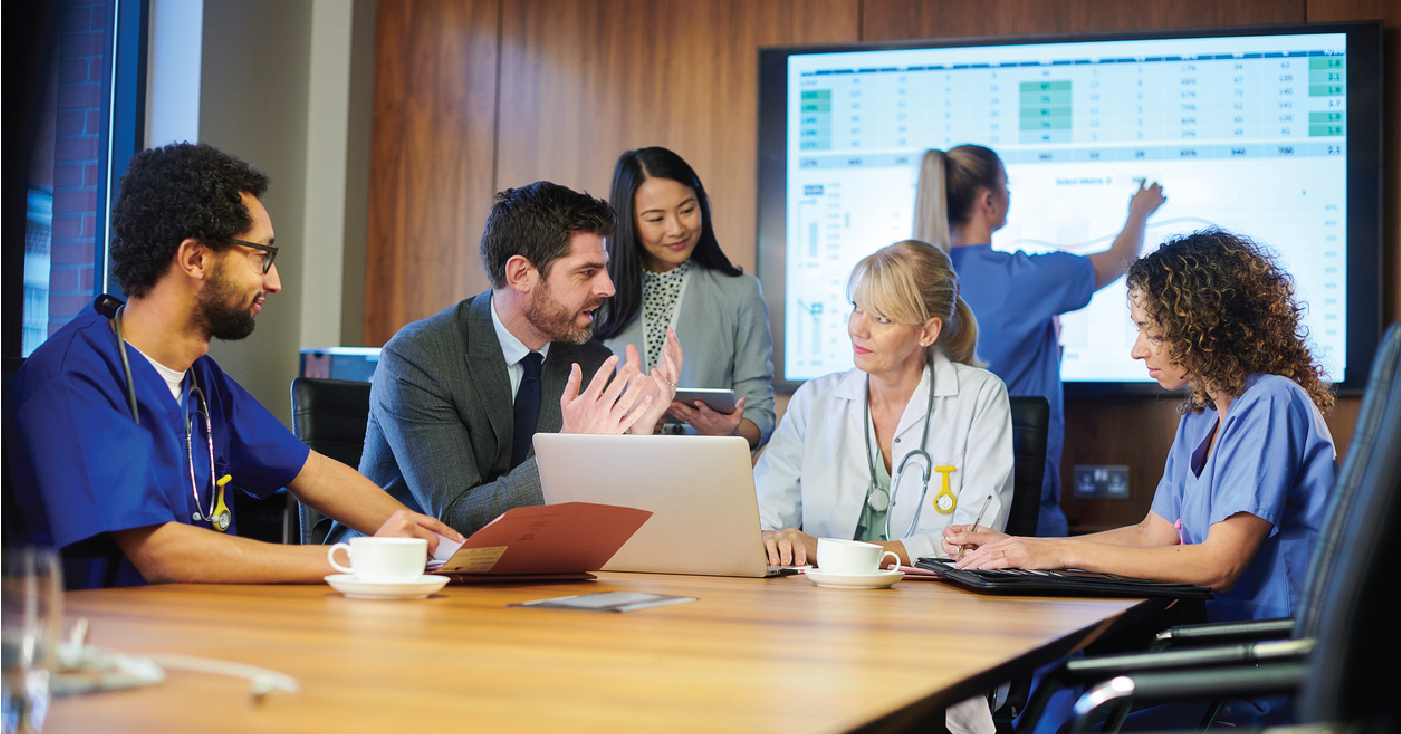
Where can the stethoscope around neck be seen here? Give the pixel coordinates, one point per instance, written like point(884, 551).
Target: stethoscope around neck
point(881, 501)
point(219, 516)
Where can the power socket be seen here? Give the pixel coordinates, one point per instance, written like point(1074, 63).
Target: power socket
point(1101, 481)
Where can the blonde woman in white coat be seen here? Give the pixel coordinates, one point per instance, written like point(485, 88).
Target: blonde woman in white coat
point(837, 454)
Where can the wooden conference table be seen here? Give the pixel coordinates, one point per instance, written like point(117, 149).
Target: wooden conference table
point(752, 655)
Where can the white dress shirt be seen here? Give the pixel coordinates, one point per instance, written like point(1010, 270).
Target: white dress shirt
point(513, 350)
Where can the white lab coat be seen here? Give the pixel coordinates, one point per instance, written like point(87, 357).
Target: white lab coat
point(814, 474)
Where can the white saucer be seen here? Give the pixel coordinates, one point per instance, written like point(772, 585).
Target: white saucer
point(356, 589)
point(882, 579)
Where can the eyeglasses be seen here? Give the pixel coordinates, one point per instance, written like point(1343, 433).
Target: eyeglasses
point(269, 252)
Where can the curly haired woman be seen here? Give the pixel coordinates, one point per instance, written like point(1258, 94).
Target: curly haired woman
point(1251, 467)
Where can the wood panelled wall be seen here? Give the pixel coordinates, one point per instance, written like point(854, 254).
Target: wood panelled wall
point(474, 96)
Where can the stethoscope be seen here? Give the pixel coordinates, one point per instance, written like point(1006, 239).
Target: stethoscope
point(218, 515)
point(945, 502)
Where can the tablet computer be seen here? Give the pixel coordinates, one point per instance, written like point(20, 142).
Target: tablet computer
point(720, 400)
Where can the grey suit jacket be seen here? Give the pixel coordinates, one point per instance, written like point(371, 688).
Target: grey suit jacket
point(723, 327)
point(439, 434)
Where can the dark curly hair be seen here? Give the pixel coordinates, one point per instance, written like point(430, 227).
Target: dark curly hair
point(171, 194)
point(1227, 310)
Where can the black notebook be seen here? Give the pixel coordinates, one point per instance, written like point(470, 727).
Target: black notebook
point(1067, 582)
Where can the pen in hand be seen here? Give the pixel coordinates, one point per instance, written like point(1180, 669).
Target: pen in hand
point(976, 521)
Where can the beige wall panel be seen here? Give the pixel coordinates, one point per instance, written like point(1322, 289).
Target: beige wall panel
point(582, 81)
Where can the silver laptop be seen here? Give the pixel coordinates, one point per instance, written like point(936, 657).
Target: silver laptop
point(700, 489)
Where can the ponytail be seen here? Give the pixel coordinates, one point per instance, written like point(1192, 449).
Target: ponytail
point(959, 338)
point(931, 203)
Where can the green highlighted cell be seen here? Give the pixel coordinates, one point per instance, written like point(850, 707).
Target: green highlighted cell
point(815, 100)
point(1327, 76)
point(1327, 117)
point(1327, 90)
point(1047, 86)
point(1032, 99)
point(1035, 113)
point(1328, 62)
point(1049, 123)
point(1326, 131)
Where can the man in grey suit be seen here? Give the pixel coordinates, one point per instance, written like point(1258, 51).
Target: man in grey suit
point(455, 393)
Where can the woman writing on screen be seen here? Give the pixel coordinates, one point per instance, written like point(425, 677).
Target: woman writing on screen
point(962, 200)
point(849, 458)
point(669, 271)
point(1252, 464)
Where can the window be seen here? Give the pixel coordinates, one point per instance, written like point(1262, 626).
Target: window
point(84, 122)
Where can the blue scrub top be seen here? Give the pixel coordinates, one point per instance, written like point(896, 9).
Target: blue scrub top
point(83, 467)
point(1016, 298)
point(1275, 460)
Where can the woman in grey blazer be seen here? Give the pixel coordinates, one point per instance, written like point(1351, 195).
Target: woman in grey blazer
point(669, 271)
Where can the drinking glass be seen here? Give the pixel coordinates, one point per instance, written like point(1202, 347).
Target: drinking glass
point(32, 591)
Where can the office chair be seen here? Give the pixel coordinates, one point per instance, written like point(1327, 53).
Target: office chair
point(330, 416)
point(1031, 420)
point(1270, 642)
point(1350, 676)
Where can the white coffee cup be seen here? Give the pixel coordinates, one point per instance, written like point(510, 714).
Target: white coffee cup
point(382, 560)
point(851, 557)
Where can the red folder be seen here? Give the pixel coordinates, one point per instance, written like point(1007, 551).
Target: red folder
point(568, 540)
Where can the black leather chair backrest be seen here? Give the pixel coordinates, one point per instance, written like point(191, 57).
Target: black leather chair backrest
point(1353, 676)
point(1031, 420)
point(1367, 440)
point(330, 416)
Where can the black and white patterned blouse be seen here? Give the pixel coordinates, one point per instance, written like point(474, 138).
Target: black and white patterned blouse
point(660, 293)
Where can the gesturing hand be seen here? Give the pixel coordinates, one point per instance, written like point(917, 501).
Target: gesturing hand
point(1146, 200)
point(603, 407)
point(657, 390)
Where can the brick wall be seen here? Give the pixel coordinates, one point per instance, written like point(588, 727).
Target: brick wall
point(84, 53)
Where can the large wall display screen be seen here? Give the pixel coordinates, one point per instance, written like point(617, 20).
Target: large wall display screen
point(1267, 133)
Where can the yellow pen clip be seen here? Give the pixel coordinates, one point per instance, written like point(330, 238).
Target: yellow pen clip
point(222, 518)
point(944, 501)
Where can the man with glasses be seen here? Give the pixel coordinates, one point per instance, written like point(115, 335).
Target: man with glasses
point(132, 440)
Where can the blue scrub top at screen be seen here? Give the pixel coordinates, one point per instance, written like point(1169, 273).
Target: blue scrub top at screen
point(1274, 459)
point(1016, 297)
point(83, 467)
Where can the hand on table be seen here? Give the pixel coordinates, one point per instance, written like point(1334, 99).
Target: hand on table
point(706, 421)
point(410, 524)
point(790, 547)
point(1015, 552)
point(958, 541)
point(603, 407)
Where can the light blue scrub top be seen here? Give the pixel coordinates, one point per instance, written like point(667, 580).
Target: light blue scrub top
point(1016, 298)
point(1274, 459)
point(82, 467)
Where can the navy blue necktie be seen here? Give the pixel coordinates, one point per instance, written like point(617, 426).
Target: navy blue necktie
point(527, 408)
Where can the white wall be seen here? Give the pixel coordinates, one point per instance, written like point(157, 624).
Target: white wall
point(172, 71)
point(285, 85)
